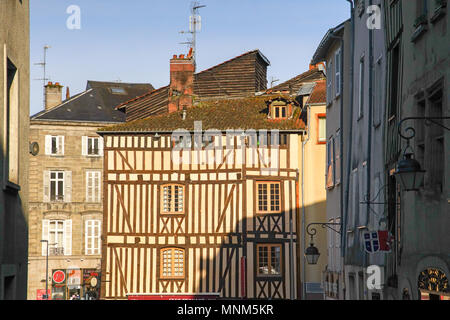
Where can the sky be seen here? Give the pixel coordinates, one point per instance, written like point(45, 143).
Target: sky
point(133, 40)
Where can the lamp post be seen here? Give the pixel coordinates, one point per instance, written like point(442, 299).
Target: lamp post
point(46, 268)
point(409, 173)
point(312, 253)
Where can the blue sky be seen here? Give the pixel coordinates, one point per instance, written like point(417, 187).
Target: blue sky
point(133, 40)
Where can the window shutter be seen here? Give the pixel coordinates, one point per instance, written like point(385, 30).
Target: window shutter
point(338, 157)
point(362, 194)
point(48, 145)
point(100, 146)
point(68, 186)
point(333, 168)
point(327, 157)
point(97, 187)
point(45, 225)
point(355, 196)
point(86, 237)
point(68, 237)
point(61, 145)
point(84, 146)
point(46, 186)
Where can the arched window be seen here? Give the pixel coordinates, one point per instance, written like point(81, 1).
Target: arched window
point(172, 199)
point(172, 263)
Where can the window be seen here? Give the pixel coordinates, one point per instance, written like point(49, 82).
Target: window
point(268, 197)
point(92, 146)
point(11, 123)
point(394, 82)
point(54, 145)
point(330, 164)
point(172, 199)
point(435, 151)
point(279, 110)
point(92, 237)
point(56, 186)
point(322, 129)
point(337, 157)
point(58, 233)
point(337, 64)
point(172, 263)
point(377, 96)
point(93, 186)
point(118, 90)
point(269, 259)
point(329, 82)
point(361, 89)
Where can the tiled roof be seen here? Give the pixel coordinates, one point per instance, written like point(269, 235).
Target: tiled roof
point(238, 77)
point(319, 93)
point(223, 114)
point(293, 85)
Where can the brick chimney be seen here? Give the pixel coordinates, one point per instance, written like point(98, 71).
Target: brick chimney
point(181, 82)
point(53, 95)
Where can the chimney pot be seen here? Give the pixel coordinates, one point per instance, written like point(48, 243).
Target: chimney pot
point(53, 95)
point(181, 83)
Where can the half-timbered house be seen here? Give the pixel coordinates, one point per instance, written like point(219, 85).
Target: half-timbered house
point(206, 199)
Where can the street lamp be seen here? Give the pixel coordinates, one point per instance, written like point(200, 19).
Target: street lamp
point(46, 269)
point(409, 173)
point(312, 253)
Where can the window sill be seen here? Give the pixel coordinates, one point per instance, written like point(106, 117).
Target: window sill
point(93, 156)
point(11, 187)
point(438, 13)
point(420, 30)
point(56, 155)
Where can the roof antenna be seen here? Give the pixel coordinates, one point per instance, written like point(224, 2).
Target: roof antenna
point(195, 26)
point(272, 81)
point(44, 64)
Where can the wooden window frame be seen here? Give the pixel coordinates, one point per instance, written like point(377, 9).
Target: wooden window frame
point(57, 180)
point(269, 196)
point(318, 117)
point(172, 204)
point(280, 107)
point(161, 263)
point(269, 261)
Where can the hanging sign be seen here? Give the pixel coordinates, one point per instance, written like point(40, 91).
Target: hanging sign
point(376, 241)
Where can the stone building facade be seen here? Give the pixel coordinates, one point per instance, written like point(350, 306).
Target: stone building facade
point(65, 206)
point(14, 113)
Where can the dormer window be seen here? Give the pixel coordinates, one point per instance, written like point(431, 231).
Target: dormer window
point(279, 110)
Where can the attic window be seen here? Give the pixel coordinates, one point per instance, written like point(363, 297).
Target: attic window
point(279, 110)
point(118, 90)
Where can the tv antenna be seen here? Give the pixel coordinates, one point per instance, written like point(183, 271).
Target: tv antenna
point(43, 64)
point(273, 81)
point(195, 26)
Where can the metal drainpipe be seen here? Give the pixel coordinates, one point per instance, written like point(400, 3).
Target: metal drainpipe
point(308, 110)
point(369, 127)
point(349, 153)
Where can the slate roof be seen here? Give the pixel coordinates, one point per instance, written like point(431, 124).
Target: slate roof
point(327, 41)
point(221, 114)
point(96, 104)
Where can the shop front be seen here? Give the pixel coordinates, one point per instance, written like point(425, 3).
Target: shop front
point(433, 285)
point(75, 284)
